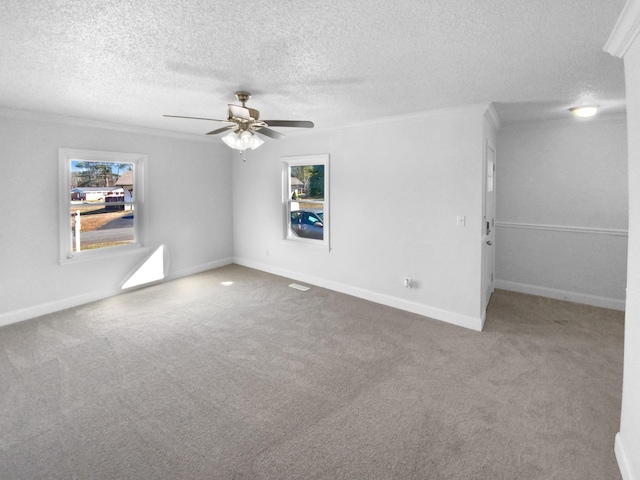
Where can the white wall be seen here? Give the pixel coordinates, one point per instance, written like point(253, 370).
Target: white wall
point(562, 210)
point(189, 198)
point(396, 189)
point(627, 33)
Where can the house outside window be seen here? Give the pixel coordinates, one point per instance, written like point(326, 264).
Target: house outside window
point(306, 200)
point(101, 205)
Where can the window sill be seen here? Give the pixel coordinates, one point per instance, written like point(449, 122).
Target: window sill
point(307, 244)
point(102, 253)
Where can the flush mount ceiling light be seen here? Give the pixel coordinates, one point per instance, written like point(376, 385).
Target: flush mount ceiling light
point(584, 111)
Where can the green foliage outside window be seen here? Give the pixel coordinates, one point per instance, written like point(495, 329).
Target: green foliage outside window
point(312, 178)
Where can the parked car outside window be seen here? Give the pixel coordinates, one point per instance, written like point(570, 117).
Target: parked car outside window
point(307, 224)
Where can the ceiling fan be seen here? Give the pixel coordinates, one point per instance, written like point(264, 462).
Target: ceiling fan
point(244, 122)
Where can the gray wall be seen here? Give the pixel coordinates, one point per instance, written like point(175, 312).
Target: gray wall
point(189, 198)
point(561, 210)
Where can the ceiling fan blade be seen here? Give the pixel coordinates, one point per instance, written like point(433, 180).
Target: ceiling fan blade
point(289, 123)
point(196, 118)
point(269, 133)
point(239, 112)
point(220, 130)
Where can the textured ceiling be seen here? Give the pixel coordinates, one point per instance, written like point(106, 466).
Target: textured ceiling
point(333, 62)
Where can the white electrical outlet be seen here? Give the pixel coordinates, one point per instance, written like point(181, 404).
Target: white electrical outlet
point(461, 220)
point(407, 283)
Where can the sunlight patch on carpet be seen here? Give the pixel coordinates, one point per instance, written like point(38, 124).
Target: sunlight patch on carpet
point(151, 270)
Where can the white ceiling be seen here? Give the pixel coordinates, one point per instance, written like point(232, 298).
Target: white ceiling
point(334, 62)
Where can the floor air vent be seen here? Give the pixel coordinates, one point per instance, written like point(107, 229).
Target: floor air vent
point(299, 287)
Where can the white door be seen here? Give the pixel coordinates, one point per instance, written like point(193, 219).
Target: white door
point(488, 226)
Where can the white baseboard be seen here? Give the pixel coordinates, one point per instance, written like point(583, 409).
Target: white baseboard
point(22, 314)
point(575, 297)
point(185, 272)
point(70, 302)
point(623, 460)
point(473, 323)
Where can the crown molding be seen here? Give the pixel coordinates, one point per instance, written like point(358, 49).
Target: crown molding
point(493, 118)
point(626, 30)
point(84, 122)
point(474, 109)
point(569, 120)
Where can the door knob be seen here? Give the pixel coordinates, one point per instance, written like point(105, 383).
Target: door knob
point(489, 242)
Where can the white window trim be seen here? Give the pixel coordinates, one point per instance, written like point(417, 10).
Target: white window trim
point(289, 237)
point(141, 217)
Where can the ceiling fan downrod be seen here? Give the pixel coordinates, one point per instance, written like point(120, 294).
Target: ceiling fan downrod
point(243, 97)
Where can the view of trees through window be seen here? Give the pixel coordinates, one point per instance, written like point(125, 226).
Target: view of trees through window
point(96, 174)
point(310, 182)
point(101, 204)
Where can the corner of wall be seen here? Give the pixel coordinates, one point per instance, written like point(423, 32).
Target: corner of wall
point(625, 42)
point(492, 117)
point(623, 459)
point(585, 299)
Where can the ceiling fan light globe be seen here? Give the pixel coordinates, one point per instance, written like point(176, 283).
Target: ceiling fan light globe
point(257, 141)
point(231, 140)
point(245, 140)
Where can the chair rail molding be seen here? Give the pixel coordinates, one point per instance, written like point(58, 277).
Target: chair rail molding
point(562, 228)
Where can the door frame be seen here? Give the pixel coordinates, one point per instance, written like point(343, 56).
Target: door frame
point(488, 229)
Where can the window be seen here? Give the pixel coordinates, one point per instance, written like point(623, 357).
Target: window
point(306, 199)
point(101, 203)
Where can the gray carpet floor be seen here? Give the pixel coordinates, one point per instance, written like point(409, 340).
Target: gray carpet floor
point(192, 379)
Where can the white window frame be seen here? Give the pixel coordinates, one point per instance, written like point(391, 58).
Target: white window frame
point(140, 219)
point(290, 237)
